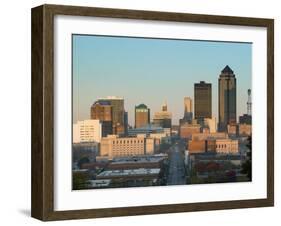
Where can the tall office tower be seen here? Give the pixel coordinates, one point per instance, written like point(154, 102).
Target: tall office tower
point(202, 101)
point(227, 98)
point(102, 110)
point(142, 116)
point(118, 112)
point(163, 118)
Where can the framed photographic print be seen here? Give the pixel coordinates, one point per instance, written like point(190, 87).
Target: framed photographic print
point(142, 112)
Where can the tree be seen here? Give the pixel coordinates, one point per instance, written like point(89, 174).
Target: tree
point(80, 181)
point(247, 165)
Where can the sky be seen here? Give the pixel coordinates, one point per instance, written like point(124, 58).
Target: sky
point(152, 71)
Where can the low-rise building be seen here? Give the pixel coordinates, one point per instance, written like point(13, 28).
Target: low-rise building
point(211, 123)
point(220, 146)
point(87, 131)
point(227, 146)
point(197, 146)
point(114, 146)
point(187, 130)
point(150, 161)
point(99, 183)
point(133, 173)
point(232, 129)
point(209, 136)
point(147, 130)
point(245, 129)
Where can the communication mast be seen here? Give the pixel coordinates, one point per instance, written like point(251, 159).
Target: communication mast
point(249, 103)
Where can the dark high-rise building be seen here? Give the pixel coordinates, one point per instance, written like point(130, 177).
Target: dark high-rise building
point(142, 116)
point(102, 110)
point(126, 123)
point(118, 112)
point(202, 100)
point(245, 119)
point(227, 98)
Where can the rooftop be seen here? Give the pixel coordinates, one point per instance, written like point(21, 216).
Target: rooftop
point(141, 106)
point(227, 70)
point(99, 183)
point(102, 102)
point(147, 127)
point(111, 98)
point(130, 172)
point(139, 159)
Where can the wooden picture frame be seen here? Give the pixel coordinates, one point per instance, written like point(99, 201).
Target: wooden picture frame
point(43, 112)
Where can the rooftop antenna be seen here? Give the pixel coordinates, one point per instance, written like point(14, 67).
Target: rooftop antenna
point(249, 103)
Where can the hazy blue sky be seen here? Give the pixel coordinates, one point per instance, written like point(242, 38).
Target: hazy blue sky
point(152, 71)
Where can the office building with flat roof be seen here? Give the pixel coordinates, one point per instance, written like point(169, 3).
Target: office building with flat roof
point(147, 130)
point(187, 129)
point(102, 110)
point(113, 146)
point(87, 131)
point(202, 100)
point(118, 111)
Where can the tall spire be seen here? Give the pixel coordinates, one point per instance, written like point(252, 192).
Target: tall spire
point(165, 106)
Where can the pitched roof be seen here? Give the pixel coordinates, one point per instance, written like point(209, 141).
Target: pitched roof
point(227, 70)
point(141, 106)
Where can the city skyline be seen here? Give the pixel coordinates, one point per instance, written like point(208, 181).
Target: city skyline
point(152, 71)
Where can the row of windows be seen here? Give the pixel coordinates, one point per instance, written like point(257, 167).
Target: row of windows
point(127, 153)
point(222, 145)
point(128, 149)
point(128, 142)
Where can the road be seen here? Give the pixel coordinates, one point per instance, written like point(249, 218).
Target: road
point(176, 168)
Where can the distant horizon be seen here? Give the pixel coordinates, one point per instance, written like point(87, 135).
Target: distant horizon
point(152, 71)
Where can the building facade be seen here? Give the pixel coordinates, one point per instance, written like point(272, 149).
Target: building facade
point(202, 100)
point(87, 131)
point(210, 136)
point(118, 111)
point(245, 119)
point(147, 130)
point(113, 146)
point(186, 130)
point(227, 98)
point(163, 118)
point(245, 129)
point(142, 116)
point(227, 146)
point(102, 110)
point(188, 110)
point(220, 146)
point(232, 129)
point(211, 123)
